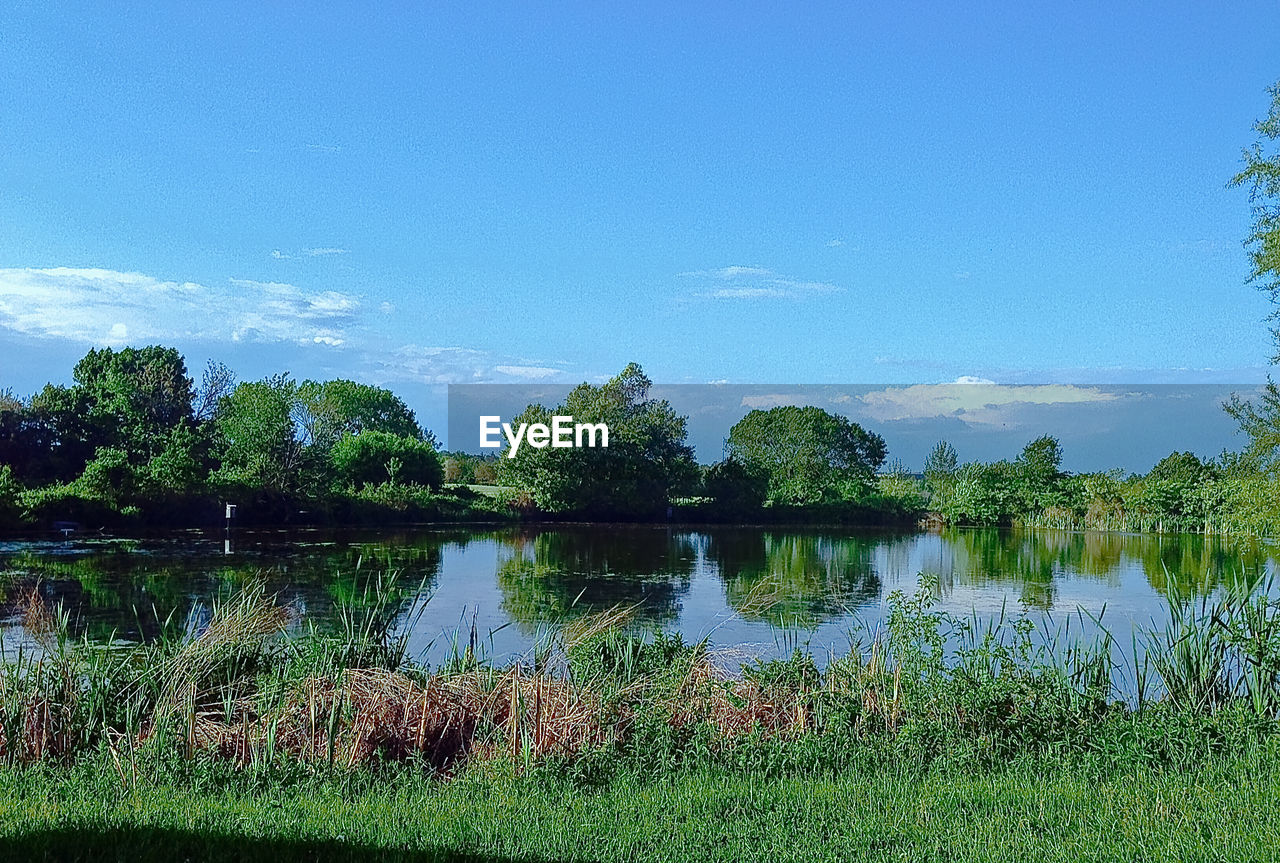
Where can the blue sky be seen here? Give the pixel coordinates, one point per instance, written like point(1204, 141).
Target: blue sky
point(419, 194)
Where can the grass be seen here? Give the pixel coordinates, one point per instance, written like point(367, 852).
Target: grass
point(1224, 812)
point(940, 737)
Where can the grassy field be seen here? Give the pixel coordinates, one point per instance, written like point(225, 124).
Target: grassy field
point(1224, 812)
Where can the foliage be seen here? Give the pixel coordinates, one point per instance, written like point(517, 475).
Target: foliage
point(1261, 422)
point(735, 488)
point(900, 492)
point(235, 692)
point(1038, 473)
point(1261, 174)
point(327, 411)
point(257, 443)
point(939, 473)
point(808, 454)
point(464, 467)
point(10, 489)
point(645, 462)
point(373, 457)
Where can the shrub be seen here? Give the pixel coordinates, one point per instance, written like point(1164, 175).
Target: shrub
point(373, 457)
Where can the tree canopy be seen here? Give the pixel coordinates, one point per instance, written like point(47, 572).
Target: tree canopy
point(646, 460)
point(808, 454)
point(1261, 174)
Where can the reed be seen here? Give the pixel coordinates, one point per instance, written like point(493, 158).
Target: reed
point(244, 688)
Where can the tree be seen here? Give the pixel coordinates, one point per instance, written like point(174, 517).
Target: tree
point(735, 488)
point(129, 400)
point(216, 382)
point(1261, 174)
point(808, 454)
point(984, 494)
point(1039, 474)
point(133, 398)
point(1176, 487)
point(327, 411)
point(1261, 422)
point(374, 457)
point(26, 442)
point(646, 460)
point(256, 440)
point(939, 473)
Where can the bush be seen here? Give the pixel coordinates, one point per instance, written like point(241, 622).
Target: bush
point(10, 489)
point(374, 457)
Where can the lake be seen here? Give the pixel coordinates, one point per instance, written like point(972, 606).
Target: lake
point(760, 591)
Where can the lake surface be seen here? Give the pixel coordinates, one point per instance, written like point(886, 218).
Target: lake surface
point(761, 591)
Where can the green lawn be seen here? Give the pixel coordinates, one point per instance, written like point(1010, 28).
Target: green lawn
point(493, 491)
point(1226, 811)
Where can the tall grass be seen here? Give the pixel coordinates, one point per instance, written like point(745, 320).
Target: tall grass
point(246, 689)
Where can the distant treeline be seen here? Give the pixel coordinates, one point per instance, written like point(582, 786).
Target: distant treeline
point(134, 439)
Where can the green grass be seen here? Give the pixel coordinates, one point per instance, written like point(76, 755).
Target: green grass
point(491, 490)
point(1224, 811)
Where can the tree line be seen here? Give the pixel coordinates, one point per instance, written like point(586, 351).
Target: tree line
point(134, 439)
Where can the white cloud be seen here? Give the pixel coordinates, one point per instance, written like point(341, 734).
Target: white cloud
point(744, 293)
point(113, 308)
point(318, 252)
point(530, 373)
point(835, 243)
point(976, 401)
point(108, 307)
point(454, 365)
point(753, 283)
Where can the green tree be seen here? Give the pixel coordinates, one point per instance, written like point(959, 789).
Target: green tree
point(984, 494)
point(735, 487)
point(1261, 422)
point(1261, 174)
point(1039, 474)
point(130, 400)
point(326, 411)
point(133, 398)
point(10, 490)
point(26, 443)
point(808, 454)
point(374, 457)
point(940, 473)
point(646, 460)
point(256, 440)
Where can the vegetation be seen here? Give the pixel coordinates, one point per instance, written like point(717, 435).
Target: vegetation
point(1261, 174)
point(1223, 811)
point(646, 461)
point(234, 739)
point(134, 441)
point(808, 454)
point(1233, 494)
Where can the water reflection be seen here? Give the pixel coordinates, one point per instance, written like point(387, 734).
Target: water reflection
point(743, 583)
point(796, 579)
point(550, 576)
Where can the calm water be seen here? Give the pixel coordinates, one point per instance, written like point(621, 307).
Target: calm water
point(762, 591)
